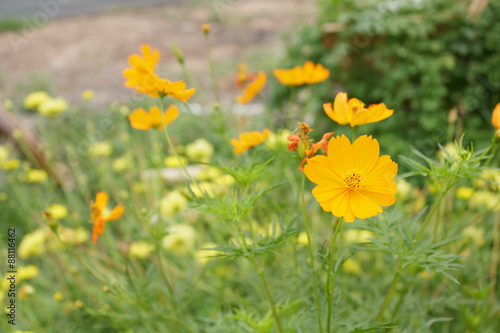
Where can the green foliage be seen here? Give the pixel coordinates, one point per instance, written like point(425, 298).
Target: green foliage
point(420, 58)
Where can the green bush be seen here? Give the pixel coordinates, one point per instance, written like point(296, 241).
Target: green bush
point(422, 58)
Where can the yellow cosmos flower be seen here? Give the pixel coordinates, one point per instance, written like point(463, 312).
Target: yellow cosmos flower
point(353, 181)
point(88, 94)
point(495, 117)
point(200, 150)
point(58, 211)
point(36, 176)
point(35, 99)
point(140, 249)
point(142, 77)
point(53, 106)
point(253, 88)
point(353, 111)
point(307, 74)
point(142, 120)
point(248, 140)
point(58, 296)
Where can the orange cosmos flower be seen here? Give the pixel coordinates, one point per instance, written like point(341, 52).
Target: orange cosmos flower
point(305, 146)
point(308, 74)
point(353, 181)
point(253, 88)
point(142, 77)
point(243, 75)
point(495, 117)
point(248, 140)
point(353, 112)
point(142, 120)
point(101, 199)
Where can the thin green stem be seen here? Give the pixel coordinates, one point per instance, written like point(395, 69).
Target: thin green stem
point(262, 280)
point(211, 65)
point(388, 296)
point(311, 255)
point(354, 129)
point(329, 273)
point(171, 145)
point(431, 213)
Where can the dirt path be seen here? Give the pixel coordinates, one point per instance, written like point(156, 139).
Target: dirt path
point(90, 52)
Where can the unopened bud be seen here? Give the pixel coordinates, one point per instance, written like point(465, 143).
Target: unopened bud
point(178, 54)
point(206, 28)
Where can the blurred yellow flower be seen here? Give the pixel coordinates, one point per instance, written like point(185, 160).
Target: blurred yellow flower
point(464, 192)
point(357, 236)
point(121, 164)
point(181, 239)
point(142, 77)
point(248, 140)
point(3, 196)
point(58, 211)
point(302, 239)
point(352, 266)
point(36, 176)
point(143, 120)
point(88, 94)
point(4, 154)
point(203, 188)
point(101, 149)
point(200, 150)
point(73, 236)
point(32, 244)
point(276, 141)
point(172, 203)
point(474, 234)
point(354, 113)
point(404, 189)
point(173, 161)
point(25, 291)
point(209, 173)
point(11, 164)
point(58, 296)
point(485, 199)
point(27, 272)
point(205, 27)
point(206, 253)
point(253, 88)
point(140, 249)
point(52, 107)
point(307, 74)
point(35, 99)
point(353, 181)
point(495, 117)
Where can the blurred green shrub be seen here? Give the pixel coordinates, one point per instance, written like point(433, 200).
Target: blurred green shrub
point(421, 57)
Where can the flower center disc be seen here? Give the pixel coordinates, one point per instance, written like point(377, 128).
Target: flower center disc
point(353, 180)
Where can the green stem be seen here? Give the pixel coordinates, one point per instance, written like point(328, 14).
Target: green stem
point(311, 255)
point(329, 273)
point(428, 218)
point(262, 280)
point(210, 64)
point(388, 296)
point(171, 145)
point(354, 129)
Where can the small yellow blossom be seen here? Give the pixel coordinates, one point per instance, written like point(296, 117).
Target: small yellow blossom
point(11, 164)
point(474, 234)
point(73, 236)
point(464, 192)
point(4, 154)
point(26, 291)
point(35, 99)
point(101, 149)
point(58, 296)
point(36, 176)
point(200, 150)
point(27, 272)
point(485, 199)
point(181, 239)
point(276, 141)
point(248, 140)
point(140, 249)
point(58, 211)
point(88, 94)
point(32, 244)
point(53, 106)
point(404, 189)
point(203, 188)
point(3, 197)
point(209, 173)
point(206, 253)
point(352, 266)
point(357, 236)
point(302, 239)
point(121, 164)
point(172, 203)
point(173, 161)
point(205, 27)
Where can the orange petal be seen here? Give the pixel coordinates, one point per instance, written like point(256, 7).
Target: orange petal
point(495, 117)
point(140, 119)
point(101, 199)
point(184, 95)
point(171, 114)
point(115, 213)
